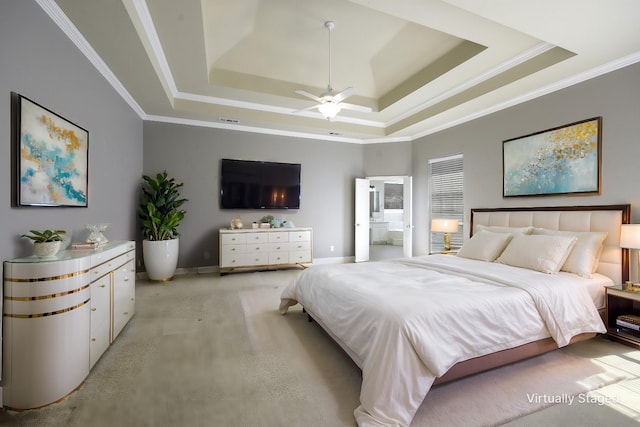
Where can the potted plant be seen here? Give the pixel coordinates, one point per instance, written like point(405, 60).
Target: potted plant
point(46, 243)
point(161, 215)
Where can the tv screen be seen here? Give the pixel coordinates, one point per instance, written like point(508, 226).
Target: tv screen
point(248, 184)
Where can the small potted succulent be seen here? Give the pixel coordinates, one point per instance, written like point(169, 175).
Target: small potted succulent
point(46, 243)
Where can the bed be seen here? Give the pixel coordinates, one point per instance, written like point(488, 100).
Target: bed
point(414, 322)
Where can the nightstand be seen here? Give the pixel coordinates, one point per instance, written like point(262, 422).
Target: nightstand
point(621, 302)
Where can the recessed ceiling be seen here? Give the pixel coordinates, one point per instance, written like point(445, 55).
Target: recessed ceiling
point(420, 65)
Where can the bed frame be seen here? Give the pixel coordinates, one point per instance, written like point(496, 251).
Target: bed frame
point(614, 263)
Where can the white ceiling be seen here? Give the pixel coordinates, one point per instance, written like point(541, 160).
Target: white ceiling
point(421, 65)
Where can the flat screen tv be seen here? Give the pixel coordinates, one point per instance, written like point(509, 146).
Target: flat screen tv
point(249, 184)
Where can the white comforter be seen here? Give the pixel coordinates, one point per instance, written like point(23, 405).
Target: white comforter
point(406, 322)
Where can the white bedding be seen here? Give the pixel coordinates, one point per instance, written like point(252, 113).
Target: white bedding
point(406, 322)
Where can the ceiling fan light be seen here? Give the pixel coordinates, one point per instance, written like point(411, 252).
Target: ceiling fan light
point(329, 109)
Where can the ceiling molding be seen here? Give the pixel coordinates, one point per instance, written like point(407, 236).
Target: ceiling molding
point(423, 118)
point(57, 15)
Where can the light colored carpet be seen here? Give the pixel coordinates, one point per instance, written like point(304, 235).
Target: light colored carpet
point(205, 350)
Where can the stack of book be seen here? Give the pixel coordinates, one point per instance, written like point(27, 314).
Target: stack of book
point(83, 245)
point(629, 324)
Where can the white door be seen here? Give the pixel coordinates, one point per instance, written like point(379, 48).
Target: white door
point(362, 220)
point(407, 233)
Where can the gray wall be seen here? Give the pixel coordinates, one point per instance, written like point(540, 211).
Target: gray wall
point(615, 97)
point(38, 61)
point(192, 156)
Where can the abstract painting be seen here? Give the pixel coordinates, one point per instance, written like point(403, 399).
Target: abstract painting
point(561, 160)
point(51, 157)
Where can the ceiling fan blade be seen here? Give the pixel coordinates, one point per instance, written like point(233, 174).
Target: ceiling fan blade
point(313, 107)
point(309, 95)
point(361, 108)
point(341, 96)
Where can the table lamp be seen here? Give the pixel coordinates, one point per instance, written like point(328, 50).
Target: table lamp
point(446, 226)
point(630, 238)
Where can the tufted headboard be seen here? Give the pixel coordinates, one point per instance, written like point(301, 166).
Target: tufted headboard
point(614, 261)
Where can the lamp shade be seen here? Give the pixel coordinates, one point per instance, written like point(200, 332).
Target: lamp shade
point(630, 236)
point(444, 225)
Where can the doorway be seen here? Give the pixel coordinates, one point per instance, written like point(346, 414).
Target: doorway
point(383, 218)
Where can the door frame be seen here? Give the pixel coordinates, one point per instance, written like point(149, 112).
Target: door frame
point(362, 254)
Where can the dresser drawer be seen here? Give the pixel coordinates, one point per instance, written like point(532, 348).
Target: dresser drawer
point(257, 258)
point(279, 247)
point(300, 256)
point(299, 236)
point(300, 246)
point(279, 236)
point(110, 264)
point(234, 249)
point(233, 239)
point(233, 260)
point(257, 238)
point(257, 248)
point(279, 258)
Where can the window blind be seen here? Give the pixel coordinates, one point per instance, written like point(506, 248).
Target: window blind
point(446, 179)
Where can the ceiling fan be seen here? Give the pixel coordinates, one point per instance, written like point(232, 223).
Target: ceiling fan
point(330, 103)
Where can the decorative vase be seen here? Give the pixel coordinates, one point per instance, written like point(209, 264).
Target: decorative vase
point(46, 249)
point(236, 222)
point(160, 258)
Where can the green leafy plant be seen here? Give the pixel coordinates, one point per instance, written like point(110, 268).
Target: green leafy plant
point(45, 235)
point(160, 208)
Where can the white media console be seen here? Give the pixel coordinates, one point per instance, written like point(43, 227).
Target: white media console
point(263, 249)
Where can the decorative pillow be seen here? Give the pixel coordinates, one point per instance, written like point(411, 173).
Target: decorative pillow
point(500, 229)
point(485, 245)
point(537, 252)
point(585, 255)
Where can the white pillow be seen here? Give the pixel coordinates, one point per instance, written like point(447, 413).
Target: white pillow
point(585, 255)
point(500, 229)
point(485, 245)
point(537, 252)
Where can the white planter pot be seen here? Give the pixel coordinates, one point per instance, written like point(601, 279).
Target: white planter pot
point(45, 249)
point(160, 258)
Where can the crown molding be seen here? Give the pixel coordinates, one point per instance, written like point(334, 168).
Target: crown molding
point(64, 23)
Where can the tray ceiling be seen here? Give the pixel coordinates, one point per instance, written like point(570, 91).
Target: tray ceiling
point(421, 65)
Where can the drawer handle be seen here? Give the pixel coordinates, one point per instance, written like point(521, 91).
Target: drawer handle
point(126, 313)
point(233, 249)
point(103, 286)
point(257, 248)
point(257, 259)
point(93, 339)
point(93, 309)
point(126, 279)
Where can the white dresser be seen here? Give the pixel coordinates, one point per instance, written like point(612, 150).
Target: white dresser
point(264, 248)
point(59, 316)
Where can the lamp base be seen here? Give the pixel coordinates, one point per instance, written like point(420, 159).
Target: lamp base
point(447, 242)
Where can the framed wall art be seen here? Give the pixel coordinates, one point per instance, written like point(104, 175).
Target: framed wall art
point(50, 157)
point(562, 160)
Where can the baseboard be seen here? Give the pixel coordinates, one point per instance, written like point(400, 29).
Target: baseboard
point(208, 269)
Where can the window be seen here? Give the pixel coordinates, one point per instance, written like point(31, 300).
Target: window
point(446, 178)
